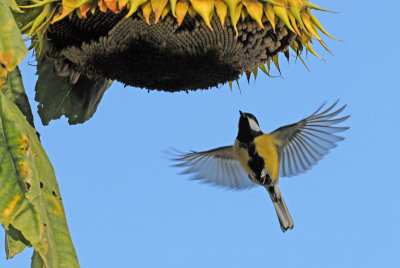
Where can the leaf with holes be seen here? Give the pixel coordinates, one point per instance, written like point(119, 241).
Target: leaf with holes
point(12, 47)
point(31, 209)
point(57, 97)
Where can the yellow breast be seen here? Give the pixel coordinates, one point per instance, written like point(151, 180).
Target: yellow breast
point(243, 157)
point(267, 149)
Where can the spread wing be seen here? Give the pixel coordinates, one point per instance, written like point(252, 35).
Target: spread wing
point(217, 166)
point(306, 142)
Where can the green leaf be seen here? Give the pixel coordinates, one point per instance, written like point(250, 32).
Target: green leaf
point(12, 47)
point(14, 89)
point(27, 15)
point(13, 5)
point(57, 97)
point(37, 261)
point(15, 242)
point(13, 247)
point(31, 209)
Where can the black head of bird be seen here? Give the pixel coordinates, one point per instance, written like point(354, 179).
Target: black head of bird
point(248, 127)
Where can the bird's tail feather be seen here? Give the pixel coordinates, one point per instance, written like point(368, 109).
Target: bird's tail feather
point(282, 212)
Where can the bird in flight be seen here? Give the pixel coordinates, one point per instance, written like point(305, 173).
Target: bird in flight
point(257, 158)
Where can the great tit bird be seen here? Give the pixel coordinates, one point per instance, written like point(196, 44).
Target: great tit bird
point(259, 159)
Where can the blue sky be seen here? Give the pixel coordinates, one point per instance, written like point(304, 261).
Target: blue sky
point(126, 207)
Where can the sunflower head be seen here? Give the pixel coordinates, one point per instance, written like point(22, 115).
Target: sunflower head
point(173, 45)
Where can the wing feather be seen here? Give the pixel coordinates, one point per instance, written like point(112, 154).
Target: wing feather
point(303, 144)
point(217, 166)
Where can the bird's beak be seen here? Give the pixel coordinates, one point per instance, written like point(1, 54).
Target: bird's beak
point(241, 113)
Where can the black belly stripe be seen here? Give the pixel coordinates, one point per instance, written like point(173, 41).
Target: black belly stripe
point(256, 164)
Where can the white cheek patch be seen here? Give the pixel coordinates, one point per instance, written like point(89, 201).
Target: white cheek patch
point(253, 125)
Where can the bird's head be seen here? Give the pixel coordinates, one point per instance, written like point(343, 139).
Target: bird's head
point(248, 127)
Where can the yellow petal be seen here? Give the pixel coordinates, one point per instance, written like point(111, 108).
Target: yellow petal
point(122, 4)
point(112, 5)
point(222, 10)
point(134, 5)
point(293, 22)
point(248, 75)
point(102, 5)
point(312, 6)
point(84, 9)
point(181, 10)
point(319, 26)
point(287, 55)
point(282, 13)
point(296, 6)
point(64, 12)
point(205, 8)
point(255, 72)
point(276, 62)
point(264, 70)
point(320, 40)
point(173, 6)
point(158, 7)
point(307, 22)
point(301, 58)
point(243, 14)
point(309, 48)
point(274, 3)
point(270, 14)
point(234, 13)
point(312, 29)
point(69, 3)
point(78, 13)
point(146, 9)
point(255, 10)
point(236, 19)
point(165, 12)
point(305, 38)
point(192, 12)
